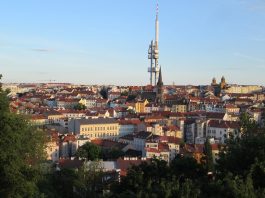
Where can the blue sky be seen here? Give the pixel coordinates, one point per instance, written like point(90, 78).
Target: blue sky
point(106, 42)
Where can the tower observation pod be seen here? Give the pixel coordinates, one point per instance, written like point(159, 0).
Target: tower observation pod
point(153, 54)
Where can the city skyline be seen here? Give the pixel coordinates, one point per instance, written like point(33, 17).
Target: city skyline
point(106, 42)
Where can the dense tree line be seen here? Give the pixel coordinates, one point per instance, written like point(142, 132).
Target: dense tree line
point(90, 151)
point(239, 172)
point(21, 153)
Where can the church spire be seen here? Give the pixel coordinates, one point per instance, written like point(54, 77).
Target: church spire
point(160, 81)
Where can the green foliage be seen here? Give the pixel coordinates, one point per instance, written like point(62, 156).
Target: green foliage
point(90, 180)
point(112, 154)
point(21, 151)
point(79, 107)
point(63, 182)
point(131, 97)
point(156, 179)
point(89, 151)
point(186, 167)
point(248, 126)
point(124, 93)
point(208, 156)
point(104, 92)
point(239, 154)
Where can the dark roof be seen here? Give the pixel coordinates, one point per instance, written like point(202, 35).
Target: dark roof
point(133, 153)
point(143, 135)
point(52, 112)
point(70, 164)
point(127, 137)
point(150, 96)
point(224, 124)
point(215, 115)
point(105, 143)
point(97, 121)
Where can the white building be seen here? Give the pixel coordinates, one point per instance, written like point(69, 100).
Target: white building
point(221, 130)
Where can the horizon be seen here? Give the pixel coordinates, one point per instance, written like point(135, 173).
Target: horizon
point(106, 42)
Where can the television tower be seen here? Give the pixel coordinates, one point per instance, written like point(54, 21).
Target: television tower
point(153, 53)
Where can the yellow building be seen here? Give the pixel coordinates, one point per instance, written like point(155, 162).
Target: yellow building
point(243, 89)
point(83, 101)
point(52, 146)
point(140, 106)
point(222, 83)
point(182, 108)
point(53, 116)
point(95, 128)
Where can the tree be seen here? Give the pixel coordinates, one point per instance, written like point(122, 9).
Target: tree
point(79, 106)
point(248, 126)
point(154, 179)
point(90, 180)
point(64, 181)
point(104, 92)
point(186, 168)
point(112, 154)
point(21, 151)
point(124, 93)
point(89, 151)
point(208, 156)
point(239, 154)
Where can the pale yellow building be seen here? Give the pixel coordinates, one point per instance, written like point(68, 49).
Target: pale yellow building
point(140, 106)
point(244, 89)
point(182, 108)
point(53, 116)
point(95, 128)
point(52, 146)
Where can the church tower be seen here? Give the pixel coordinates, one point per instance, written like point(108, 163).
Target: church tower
point(160, 88)
point(213, 82)
point(223, 83)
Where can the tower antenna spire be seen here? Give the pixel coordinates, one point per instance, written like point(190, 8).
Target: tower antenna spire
point(157, 8)
point(153, 52)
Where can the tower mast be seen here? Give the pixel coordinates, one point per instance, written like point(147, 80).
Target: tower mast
point(153, 53)
point(156, 52)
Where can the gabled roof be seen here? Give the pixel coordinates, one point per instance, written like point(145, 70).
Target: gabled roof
point(108, 144)
point(223, 124)
point(97, 121)
point(143, 135)
point(70, 164)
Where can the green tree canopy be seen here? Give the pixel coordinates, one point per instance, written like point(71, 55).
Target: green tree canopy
point(89, 151)
point(208, 156)
point(21, 151)
point(79, 107)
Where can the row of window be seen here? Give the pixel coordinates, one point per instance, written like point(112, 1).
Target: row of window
point(99, 128)
point(101, 135)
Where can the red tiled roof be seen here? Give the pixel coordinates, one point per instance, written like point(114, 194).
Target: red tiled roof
point(108, 143)
point(68, 163)
point(69, 138)
point(224, 124)
point(38, 117)
point(129, 122)
point(124, 165)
